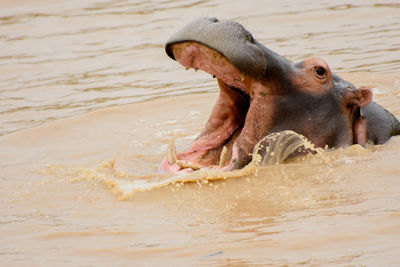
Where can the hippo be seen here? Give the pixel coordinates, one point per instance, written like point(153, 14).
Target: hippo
point(261, 93)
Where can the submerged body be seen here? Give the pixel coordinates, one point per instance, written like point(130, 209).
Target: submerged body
point(262, 92)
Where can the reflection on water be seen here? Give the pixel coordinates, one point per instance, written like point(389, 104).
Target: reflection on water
point(60, 59)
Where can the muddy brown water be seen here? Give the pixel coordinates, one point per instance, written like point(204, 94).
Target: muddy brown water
point(89, 100)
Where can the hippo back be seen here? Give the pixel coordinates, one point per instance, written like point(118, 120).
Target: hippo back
point(381, 124)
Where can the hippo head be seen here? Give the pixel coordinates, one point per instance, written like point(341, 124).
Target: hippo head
point(261, 92)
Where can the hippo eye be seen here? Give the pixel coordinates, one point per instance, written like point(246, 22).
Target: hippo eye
point(320, 71)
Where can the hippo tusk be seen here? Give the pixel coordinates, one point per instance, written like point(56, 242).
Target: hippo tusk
point(172, 158)
point(171, 152)
point(222, 157)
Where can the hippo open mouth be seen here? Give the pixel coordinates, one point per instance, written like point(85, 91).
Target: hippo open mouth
point(262, 92)
point(229, 53)
point(214, 145)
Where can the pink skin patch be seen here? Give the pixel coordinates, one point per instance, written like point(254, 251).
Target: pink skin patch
point(360, 131)
point(197, 56)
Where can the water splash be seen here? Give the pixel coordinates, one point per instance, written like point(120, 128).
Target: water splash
point(278, 147)
point(274, 149)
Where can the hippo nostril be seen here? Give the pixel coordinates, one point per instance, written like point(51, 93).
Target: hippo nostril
point(214, 20)
point(249, 37)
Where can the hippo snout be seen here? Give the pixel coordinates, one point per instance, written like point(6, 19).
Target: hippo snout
point(227, 37)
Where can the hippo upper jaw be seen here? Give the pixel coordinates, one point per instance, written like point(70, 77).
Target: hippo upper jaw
point(230, 38)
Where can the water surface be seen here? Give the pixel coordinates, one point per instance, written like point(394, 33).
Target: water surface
point(89, 100)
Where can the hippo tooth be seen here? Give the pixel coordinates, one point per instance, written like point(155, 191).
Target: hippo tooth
point(196, 69)
point(222, 157)
point(171, 152)
point(185, 165)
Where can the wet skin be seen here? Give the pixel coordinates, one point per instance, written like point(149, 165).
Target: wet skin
point(262, 92)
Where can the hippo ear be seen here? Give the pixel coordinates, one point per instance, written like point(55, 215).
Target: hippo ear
point(366, 96)
point(360, 97)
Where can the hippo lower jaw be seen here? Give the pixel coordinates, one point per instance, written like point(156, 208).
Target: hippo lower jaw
point(215, 147)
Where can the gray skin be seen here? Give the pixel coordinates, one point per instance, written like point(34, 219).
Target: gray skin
point(338, 116)
point(381, 124)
